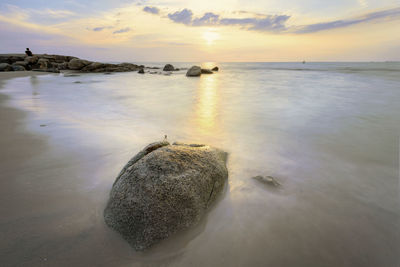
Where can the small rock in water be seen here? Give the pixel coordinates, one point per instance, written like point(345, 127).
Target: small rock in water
point(268, 180)
point(168, 67)
point(215, 69)
point(194, 71)
point(141, 71)
point(77, 82)
point(43, 125)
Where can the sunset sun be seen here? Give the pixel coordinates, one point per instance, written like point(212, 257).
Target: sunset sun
point(210, 37)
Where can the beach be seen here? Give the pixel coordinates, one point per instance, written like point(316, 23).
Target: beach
point(328, 132)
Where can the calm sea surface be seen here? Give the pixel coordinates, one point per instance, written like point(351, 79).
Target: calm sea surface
point(328, 132)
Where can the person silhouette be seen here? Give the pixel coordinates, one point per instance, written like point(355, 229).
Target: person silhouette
point(28, 52)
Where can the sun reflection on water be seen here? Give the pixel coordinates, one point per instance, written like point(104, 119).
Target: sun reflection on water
point(207, 104)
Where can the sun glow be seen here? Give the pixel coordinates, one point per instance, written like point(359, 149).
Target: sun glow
point(210, 36)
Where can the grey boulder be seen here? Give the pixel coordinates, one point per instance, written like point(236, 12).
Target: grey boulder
point(194, 71)
point(164, 189)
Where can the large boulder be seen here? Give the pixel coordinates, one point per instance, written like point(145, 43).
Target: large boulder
point(6, 67)
point(164, 189)
point(77, 64)
point(168, 67)
point(194, 71)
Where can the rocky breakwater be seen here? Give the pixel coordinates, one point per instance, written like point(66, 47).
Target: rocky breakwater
point(164, 189)
point(56, 63)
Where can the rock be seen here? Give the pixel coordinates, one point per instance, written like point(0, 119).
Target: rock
point(164, 189)
point(77, 64)
point(215, 69)
point(23, 64)
point(63, 66)
point(6, 67)
point(31, 60)
point(17, 67)
point(268, 180)
point(129, 66)
point(194, 71)
point(206, 71)
point(93, 66)
point(168, 67)
point(141, 71)
point(43, 63)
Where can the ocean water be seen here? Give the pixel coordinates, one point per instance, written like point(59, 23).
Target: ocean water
point(328, 132)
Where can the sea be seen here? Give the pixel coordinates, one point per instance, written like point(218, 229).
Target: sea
point(328, 132)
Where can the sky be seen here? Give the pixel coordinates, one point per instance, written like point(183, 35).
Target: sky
point(207, 30)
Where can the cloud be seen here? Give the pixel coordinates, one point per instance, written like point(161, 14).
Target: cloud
point(184, 16)
point(275, 23)
point(259, 23)
point(99, 29)
point(385, 14)
point(55, 13)
point(266, 23)
point(207, 19)
point(152, 10)
point(127, 29)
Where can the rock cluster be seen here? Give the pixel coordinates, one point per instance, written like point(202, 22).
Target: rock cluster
point(164, 189)
point(196, 71)
point(55, 63)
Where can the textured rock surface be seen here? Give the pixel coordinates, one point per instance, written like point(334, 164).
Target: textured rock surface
point(163, 189)
point(194, 71)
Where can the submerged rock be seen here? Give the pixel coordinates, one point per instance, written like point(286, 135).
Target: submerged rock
point(164, 189)
point(268, 180)
point(194, 71)
point(206, 71)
